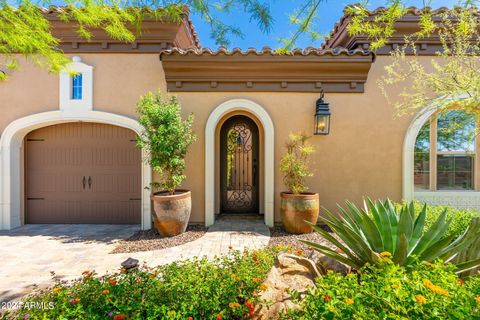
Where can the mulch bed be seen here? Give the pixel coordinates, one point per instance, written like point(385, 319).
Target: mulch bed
point(145, 240)
point(278, 236)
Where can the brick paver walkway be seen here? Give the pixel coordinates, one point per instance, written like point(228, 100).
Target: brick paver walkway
point(28, 254)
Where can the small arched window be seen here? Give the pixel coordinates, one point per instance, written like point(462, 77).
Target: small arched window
point(445, 151)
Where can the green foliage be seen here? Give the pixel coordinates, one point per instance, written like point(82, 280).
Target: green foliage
point(25, 31)
point(304, 21)
point(472, 252)
point(200, 289)
point(460, 218)
point(259, 12)
point(166, 138)
point(295, 162)
point(428, 291)
point(451, 79)
point(119, 20)
point(382, 26)
point(378, 29)
point(381, 231)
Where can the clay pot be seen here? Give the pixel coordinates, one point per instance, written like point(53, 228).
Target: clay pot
point(172, 212)
point(298, 208)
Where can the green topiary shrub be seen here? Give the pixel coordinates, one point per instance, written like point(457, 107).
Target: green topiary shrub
point(194, 289)
point(429, 291)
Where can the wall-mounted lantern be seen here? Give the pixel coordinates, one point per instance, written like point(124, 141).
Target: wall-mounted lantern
point(322, 117)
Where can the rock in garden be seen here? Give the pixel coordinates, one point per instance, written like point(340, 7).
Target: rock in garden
point(289, 273)
point(130, 263)
point(325, 263)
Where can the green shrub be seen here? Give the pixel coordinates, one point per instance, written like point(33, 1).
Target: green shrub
point(200, 289)
point(460, 217)
point(295, 162)
point(430, 291)
point(381, 227)
point(165, 138)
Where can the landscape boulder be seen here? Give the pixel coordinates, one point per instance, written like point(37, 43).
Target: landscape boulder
point(324, 264)
point(289, 273)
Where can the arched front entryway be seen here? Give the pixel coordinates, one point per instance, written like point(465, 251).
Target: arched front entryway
point(239, 166)
point(11, 157)
point(254, 112)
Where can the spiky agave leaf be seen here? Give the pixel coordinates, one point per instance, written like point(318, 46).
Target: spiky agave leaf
point(365, 233)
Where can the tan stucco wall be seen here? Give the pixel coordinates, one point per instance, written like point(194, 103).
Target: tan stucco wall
point(118, 81)
point(362, 155)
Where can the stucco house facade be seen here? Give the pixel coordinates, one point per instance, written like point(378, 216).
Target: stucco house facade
point(67, 151)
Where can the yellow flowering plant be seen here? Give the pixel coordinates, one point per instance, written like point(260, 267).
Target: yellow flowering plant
point(424, 292)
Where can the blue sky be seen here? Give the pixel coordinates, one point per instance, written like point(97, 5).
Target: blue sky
point(330, 12)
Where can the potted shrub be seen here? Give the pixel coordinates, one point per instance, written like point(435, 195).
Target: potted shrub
point(166, 138)
point(297, 205)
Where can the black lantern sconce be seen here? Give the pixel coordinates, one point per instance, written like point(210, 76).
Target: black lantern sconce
point(322, 116)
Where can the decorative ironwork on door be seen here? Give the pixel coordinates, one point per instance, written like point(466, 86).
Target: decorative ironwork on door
point(239, 165)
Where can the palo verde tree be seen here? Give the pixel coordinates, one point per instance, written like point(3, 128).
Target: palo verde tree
point(25, 31)
point(451, 78)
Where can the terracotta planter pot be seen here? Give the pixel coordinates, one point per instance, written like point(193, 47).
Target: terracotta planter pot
point(298, 208)
point(172, 212)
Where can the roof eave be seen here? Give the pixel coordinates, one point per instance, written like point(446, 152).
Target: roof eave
point(254, 71)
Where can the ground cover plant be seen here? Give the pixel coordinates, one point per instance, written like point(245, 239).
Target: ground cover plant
point(224, 288)
point(389, 291)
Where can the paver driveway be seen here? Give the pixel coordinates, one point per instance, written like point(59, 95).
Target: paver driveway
point(29, 253)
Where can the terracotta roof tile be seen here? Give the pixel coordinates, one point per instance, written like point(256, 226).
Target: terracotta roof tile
point(265, 70)
point(191, 27)
point(411, 11)
point(264, 51)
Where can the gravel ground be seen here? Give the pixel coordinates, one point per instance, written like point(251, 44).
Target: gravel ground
point(145, 240)
point(278, 236)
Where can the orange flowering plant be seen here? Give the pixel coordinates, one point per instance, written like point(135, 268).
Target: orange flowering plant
point(225, 288)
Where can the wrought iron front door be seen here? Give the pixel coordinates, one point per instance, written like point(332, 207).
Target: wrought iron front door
point(239, 165)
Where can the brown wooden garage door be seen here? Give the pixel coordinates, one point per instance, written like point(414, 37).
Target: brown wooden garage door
point(82, 173)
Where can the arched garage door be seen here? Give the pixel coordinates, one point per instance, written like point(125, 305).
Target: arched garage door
point(82, 173)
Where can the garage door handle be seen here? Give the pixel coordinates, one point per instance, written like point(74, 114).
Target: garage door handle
point(84, 182)
point(89, 182)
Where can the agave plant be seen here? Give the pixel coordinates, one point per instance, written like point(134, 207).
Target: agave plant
point(470, 253)
point(366, 235)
